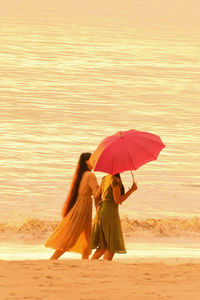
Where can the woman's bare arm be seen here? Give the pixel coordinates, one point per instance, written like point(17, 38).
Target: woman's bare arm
point(97, 196)
point(118, 198)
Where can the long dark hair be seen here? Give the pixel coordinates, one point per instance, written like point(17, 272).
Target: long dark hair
point(122, 186)
point(73, 193)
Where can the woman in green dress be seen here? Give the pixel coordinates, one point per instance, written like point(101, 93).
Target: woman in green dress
point(107, 235)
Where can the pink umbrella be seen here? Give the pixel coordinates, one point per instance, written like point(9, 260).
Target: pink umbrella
point(126, 150)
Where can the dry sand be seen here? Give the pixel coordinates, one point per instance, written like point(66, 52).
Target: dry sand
point(88, 280)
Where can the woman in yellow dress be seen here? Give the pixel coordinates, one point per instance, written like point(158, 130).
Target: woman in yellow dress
point(107, 235)
point(74, 231)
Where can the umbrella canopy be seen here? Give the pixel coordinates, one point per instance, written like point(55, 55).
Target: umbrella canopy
point(126, 150)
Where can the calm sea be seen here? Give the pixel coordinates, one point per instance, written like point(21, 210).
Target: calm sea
point(64, 87)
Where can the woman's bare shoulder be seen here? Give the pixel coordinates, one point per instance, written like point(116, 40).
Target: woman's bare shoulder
point(90, 174)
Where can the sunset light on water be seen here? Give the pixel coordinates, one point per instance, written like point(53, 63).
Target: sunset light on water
point(75, 72)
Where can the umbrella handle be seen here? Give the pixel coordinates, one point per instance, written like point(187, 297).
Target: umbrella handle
point(133, 177)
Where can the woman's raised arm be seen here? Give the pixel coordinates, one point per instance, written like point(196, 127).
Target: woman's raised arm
point(97, 196)
point(118, 198)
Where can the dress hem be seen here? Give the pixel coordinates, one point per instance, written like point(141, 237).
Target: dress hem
point(114, 251)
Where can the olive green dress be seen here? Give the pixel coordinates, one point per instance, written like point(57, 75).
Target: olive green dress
point(106, 231)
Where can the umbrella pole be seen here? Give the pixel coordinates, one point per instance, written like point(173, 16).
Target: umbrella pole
point(133, 177)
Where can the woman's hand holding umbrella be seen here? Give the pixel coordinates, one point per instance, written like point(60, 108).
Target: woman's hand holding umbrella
point(134, 185)
point(121, 198)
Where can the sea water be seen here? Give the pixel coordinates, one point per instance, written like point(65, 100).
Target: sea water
point(67, 83)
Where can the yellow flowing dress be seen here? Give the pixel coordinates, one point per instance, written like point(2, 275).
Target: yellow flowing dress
point(74, 231)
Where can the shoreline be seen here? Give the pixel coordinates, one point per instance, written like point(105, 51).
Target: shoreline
point(158, 248)
point(154, 268)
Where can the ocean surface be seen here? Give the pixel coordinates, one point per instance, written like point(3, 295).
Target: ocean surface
point(66, 85)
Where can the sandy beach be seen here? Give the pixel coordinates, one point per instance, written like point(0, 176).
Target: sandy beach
point(153, 268)
point(72, 73)
point(76, 279)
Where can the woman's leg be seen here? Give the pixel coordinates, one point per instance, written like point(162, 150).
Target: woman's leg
point(108, 255)
point(98, 253)
point(86, 253)
point(57, 254)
